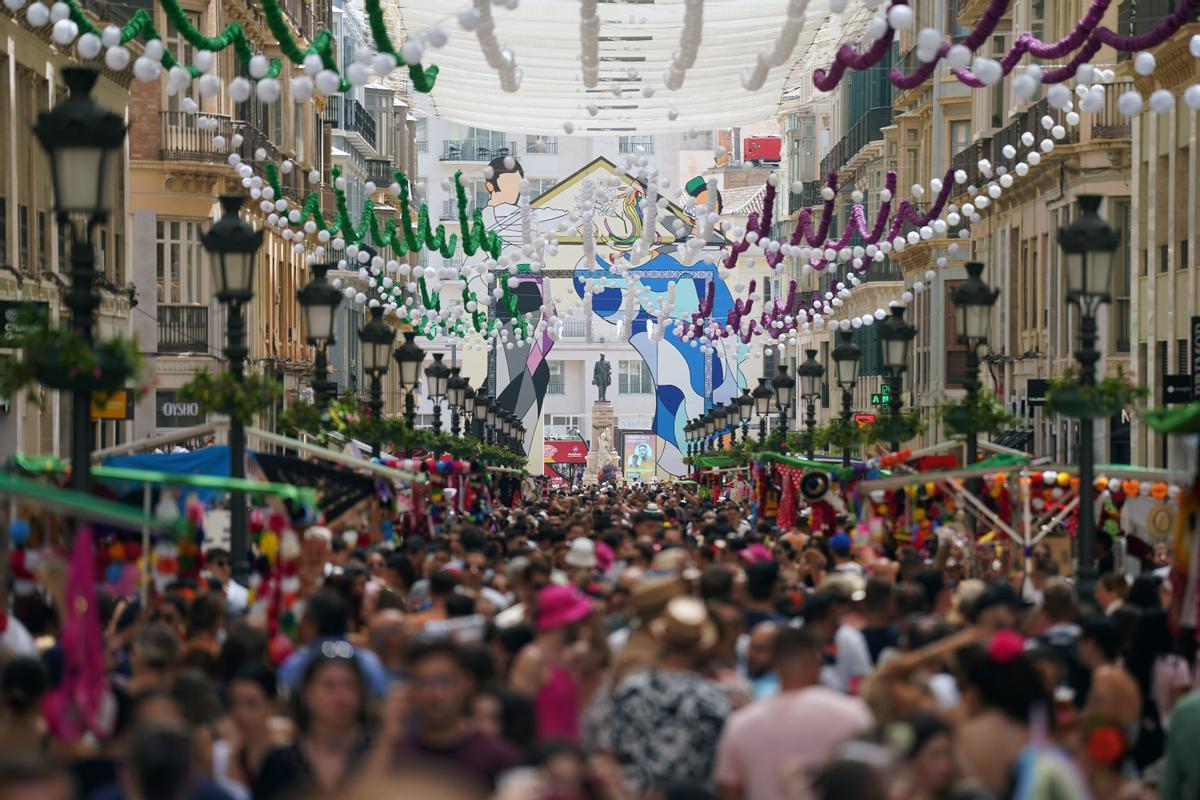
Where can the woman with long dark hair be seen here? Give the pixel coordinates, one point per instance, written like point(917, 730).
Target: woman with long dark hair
point(332, 732)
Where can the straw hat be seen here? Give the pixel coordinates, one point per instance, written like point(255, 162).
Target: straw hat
point(685, 626)
point(846, 586)
point(651, 595)
point(582, 554)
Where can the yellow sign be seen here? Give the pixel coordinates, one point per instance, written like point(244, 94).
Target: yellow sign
point(114, 405)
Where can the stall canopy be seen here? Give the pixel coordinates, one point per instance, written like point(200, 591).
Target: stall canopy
point(634, 46)
point(338, 490)
point(562, 452)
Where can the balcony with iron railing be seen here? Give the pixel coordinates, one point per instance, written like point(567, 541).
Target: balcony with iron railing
point(574, 328)
point(182, 329)
point(807, 198)
point(380, 171)
point(867, 129)
point(182, 139)
point(475, 150)
point(351, 117)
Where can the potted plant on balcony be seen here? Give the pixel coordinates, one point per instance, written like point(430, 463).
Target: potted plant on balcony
point(1067, 397)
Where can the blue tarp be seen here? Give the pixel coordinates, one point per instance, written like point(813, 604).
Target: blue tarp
point(209, 461)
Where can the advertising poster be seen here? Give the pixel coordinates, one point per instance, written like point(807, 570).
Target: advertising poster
point(639, 457)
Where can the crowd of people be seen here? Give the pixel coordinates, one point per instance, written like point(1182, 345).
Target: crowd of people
point(620, 644)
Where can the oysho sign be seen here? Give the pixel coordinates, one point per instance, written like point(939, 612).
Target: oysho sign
point(171, 412)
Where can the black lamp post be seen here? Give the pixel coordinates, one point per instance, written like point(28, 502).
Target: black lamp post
point(319, 301)
point(456, 392)
point(232, 245)
point(438, 375)
point(377, 338)
point(479, 412)
point(897, 336)
point(80, 135)
point(762, 406)
point(492, 434)
point(785, 388)
point(845, 371)
point(710, 427)
point(468, 407)
point(745, 406)
point(688, 428)
point(973, 300)
point(1089, 243)
point(409, 357)
point(811, 372)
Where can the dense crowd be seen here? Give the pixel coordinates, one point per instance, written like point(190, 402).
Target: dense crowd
point(620, 645)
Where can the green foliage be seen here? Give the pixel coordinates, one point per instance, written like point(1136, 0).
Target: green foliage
point(834, 436)
point(896, 427)
point(60, 358)
point(1067, 397)
point(983, 413)
point(220, 393)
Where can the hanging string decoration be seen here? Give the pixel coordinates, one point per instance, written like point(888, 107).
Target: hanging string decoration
point(72, 25)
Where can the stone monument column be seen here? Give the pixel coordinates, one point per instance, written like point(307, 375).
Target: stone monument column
point(601, 450)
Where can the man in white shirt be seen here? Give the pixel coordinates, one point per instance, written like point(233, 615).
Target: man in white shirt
point(219, 565)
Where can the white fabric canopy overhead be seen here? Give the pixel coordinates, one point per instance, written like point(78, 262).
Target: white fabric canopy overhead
point(544, 36)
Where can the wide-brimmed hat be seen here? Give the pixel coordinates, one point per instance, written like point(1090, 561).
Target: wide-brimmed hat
point(582, 554)
point(845, 586)
point(650, 595)
point(685, 626)
point(559, 606)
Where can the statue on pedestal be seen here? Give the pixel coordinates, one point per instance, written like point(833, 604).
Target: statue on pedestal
point(602, 377)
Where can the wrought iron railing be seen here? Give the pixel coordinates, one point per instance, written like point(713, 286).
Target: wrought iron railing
point(182, 329)
point(351, 116)
point(866, 130)
point(475, 150)
point(182, 139)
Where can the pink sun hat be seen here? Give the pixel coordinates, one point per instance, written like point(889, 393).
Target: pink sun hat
point(558, 606)
point(604, 556)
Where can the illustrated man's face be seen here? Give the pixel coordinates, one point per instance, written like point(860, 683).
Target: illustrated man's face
point(505, 188)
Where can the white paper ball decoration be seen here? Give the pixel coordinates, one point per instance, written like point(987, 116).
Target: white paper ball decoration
point(357, 74)
point(259, 66)
point(1024, 87)
point(37, 15)
point(302, 88)
point(209, 85)
point(1130, 103)
point(204, 60)
point(1058, 95)
point(14, 5)
point(958, 56)
point(1162, 101)
point(64, 32)
point(267, 90)
point(987, 70)
point(146, 69)
point(413, 50)
point(877, 28)
point(328, 83)
point(1072, 118)
point(468, 18)
point(1144, 63)
point(384, 64)
point(116, 58)
point(89, 46)
point(436, 36)
point(900, 17)
point(1191, 95)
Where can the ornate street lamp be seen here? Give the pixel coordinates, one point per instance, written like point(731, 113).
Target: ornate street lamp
point(456, 392)
point(80, 136)
point(468, 406)
point(896, 336)
point(319, 301)
point(492, 422)
point(409, 356)
point(785, 388)
point(811, 372)
point(845, 371)
point(232, 245)
point(438, 375)
point(745, 406)
point(973, 300)
point(1089, 244)
point(377, 338)
point(762, 406)
point(479, 412)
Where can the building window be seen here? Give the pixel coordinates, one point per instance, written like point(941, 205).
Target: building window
point(184, 53)
point(23, 240)
point(557, 384)
point(703, 140)
point(180, 270)
point(1183, 254)
point(633, 377)
point(541, 145)
point(421, 134)
point(1181, 357)
point(539, 186)
point(636, 144)
point(960, 136)
point(1164, 258)
point(43, 224)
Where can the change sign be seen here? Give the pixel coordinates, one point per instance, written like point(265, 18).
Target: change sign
point(17, 317)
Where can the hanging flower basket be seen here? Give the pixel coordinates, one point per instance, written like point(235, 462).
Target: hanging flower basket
point(59, 358)
point(1068, 397)
point(981, 414)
